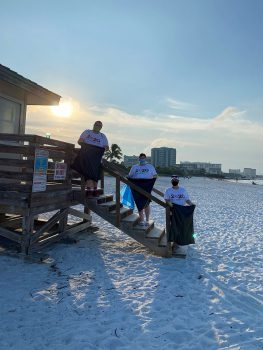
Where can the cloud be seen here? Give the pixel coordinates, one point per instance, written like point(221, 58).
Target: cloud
point(179, 105)
point(230, 137)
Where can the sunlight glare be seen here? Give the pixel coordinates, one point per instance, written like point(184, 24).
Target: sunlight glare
point(64, 110)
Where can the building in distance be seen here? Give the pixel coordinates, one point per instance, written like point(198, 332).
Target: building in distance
point(250, 173)
point(235, 171)
point(209, 168)
point(163, 157)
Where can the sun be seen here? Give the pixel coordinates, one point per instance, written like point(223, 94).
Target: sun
point(64, 110)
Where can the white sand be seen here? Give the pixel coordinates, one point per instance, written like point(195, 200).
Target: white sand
point(109, 292)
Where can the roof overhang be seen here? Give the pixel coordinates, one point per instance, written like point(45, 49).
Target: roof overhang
point(35, 94)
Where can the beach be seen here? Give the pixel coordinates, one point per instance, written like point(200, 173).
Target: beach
point(106, 291)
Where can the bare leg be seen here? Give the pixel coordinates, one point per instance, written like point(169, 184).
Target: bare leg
point(141, 216)
point(95, 184)
point(89, 184)
point(147, 212)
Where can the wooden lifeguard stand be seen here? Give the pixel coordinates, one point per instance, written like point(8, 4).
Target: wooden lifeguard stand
point(35, 174)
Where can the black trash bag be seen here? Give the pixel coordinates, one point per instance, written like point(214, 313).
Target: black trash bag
point(182, 226)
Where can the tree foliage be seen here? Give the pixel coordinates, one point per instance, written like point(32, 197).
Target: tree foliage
point(114, 154)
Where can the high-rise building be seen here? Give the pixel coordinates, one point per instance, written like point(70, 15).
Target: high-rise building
point(250, 173)
point(163, 157)
point(131, 160)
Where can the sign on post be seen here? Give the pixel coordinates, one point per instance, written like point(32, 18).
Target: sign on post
point(40, 170)
point(60, 171)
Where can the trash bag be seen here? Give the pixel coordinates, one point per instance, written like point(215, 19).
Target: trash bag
point(127, 197)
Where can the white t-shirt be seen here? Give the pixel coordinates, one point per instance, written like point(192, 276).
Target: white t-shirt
point(93, 138)
point(146, 171)
point(177, 196)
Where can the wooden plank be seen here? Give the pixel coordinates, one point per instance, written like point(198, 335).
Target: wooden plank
point(16, 187)
point(48, 225)
point(49, 195)
point(155, 233)
point(13, 222)
point(16, 175)
point(27, 230)
point(118, 206)
point(13, 236)
point(77, 228)
point(11, 202)
point(36, 202)
point(79, 214)
point(58, 143)
point(25, 150)
point(167, 220)
point(54, 186)
point(48, 208)
point(17, 162)
point(63, 220)
point(13, 209)
point(13, 195)
point(15, 137)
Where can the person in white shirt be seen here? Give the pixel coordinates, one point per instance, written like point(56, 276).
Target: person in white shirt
point(94, 138)
point(177, 195)
point(143, 170)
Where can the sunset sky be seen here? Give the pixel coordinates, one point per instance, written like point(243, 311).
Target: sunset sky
point(185, 74)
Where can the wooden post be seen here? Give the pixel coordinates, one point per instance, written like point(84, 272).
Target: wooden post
point(2, 217)
point(118, 217)
point(27, 231)
point(168, 225)
point(102, 180)
point(86, 211)
point(62, 226)
point(83, 186)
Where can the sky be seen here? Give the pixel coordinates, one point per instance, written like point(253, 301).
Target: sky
point(185, 74)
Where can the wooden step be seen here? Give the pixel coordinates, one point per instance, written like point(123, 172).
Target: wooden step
point(146, 229)
point(110, 205)
point(124, 212)
point(163, 241)
point(155, 233)
point(104, 198)
point(131, 220)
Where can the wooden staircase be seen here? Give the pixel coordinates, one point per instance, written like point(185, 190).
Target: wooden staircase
point(112, 211)
point(152, 237)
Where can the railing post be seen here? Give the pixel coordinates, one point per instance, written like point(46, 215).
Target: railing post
point(118, 217)
point(102, 179)
point(168, 221)
point(83, 186)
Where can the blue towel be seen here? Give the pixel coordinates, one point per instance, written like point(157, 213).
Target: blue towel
point(127, 197)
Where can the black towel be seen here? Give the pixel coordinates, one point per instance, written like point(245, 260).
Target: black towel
point(88, 162)
point(147, 185)
point(182, 226)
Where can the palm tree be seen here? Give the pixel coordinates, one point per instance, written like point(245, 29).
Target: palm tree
point(113, 154)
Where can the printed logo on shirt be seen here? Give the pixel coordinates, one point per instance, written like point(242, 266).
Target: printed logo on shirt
point(93, 139)
point(177, 196)
point(141, 171)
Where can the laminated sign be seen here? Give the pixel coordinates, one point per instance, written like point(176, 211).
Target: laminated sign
point(60, 171)
point(40, 170)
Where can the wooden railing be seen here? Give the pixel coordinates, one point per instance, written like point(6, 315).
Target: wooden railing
point(118, 173)
point(18, 162)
